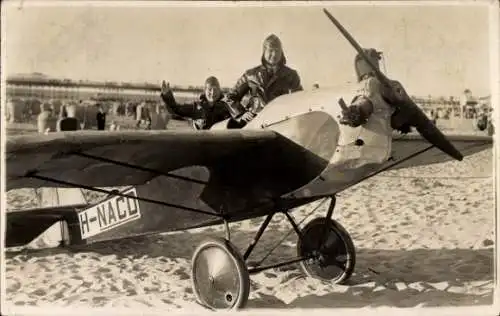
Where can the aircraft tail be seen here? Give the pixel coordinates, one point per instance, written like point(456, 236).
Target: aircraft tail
point(39, 228)
point(47, 227)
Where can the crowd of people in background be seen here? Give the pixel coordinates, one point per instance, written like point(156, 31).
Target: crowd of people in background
point(481, 116)
point(68, 116)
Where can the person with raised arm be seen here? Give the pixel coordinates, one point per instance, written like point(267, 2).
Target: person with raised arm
point(209, 109)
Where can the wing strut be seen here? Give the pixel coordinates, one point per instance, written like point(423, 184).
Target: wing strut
point(32, 174)
point(329, 195)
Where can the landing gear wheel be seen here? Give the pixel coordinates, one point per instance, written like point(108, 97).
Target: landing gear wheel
point(219, 275)
point(334, 254)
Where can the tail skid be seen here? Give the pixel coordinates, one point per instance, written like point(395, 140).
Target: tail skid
point(55, 236)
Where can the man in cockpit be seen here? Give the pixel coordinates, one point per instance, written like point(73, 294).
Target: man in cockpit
point(264, 82)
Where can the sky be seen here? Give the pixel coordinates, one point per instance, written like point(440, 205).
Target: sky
point(431, 50)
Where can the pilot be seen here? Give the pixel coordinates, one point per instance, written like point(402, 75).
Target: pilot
point(208, 110)
point(263, 83)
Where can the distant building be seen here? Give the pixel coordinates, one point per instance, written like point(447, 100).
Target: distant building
point(42, 87)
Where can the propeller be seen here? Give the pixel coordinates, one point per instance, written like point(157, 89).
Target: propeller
point(414, 114)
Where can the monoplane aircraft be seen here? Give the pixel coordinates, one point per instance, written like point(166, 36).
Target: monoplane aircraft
point(294, 152)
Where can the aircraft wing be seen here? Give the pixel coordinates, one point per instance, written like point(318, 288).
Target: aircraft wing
point(410, 145)
point(182, 179)
point(120, 158)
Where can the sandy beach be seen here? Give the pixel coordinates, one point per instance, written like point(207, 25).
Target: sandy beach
point(424, 237)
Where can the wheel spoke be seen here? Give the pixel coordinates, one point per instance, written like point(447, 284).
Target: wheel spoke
point(336, 263)
point(220, 278)
point(332, 241)
point(324, 235)
point(335, 252)
point(217, 261)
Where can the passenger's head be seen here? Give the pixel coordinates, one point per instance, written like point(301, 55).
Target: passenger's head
point(362, 67)
point(272, 50)
point(212, 89)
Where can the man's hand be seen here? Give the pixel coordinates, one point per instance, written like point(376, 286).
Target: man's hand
point(198, 124)
point(247, 117)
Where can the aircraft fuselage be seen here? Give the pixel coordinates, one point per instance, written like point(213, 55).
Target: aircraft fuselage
point(311, 120)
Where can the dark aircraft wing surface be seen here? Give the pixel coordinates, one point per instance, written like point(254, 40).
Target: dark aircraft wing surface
point(409, 145)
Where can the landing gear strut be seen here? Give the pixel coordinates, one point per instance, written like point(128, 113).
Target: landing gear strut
point(221, 277)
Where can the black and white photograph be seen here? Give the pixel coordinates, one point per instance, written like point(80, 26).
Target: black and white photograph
point(249, 156)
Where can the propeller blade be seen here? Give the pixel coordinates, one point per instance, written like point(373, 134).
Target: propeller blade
point(415, 115)
point(380, 76)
